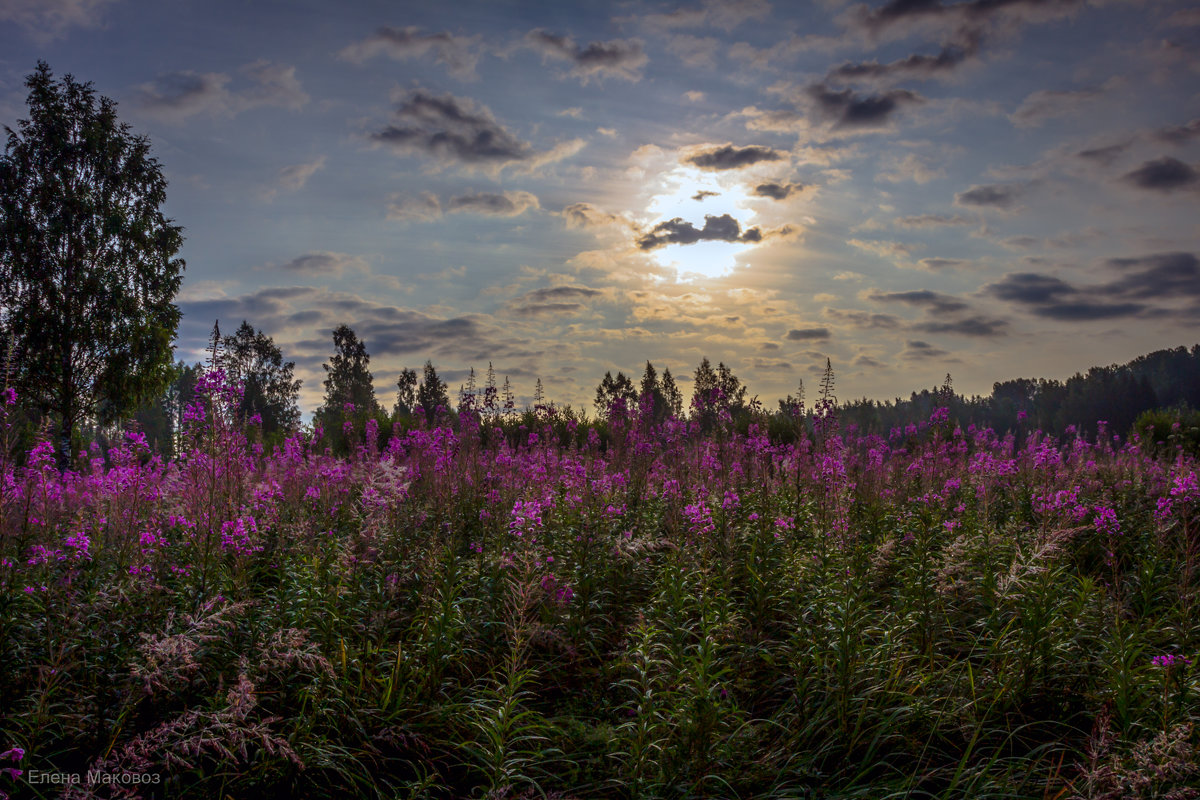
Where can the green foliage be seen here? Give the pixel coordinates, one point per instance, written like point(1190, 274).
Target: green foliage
point(87, 261)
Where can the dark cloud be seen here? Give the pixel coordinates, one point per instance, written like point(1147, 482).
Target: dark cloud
point(1164, 174)
point(538, 309)
point(586, 215)
point(1104, 155)
point(1029, 288)
point(916, 350)
point(620, 58)
point(1161, 275)
point(700, 195)
point(452, 129)
point(973, 326)
point(506, 204)
point(324, 263)
point(849, 109)
point(770, 364)
point(999, 195)
point(932, 220)
point(807, 334)
point(716, 229)
point(558, 293)
point(935, 302)
point(1086, 310)
point(730, 157)
point(778, 191)
point(917, 65)
point(862, 319)
point(1179, 134)
point(941, 263)
point(458, 54)
point(1053, 298)
point(956, 16)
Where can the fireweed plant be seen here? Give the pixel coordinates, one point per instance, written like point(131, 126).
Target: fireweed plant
point(542, 607)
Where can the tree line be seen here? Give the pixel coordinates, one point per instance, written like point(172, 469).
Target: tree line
point(89, 272)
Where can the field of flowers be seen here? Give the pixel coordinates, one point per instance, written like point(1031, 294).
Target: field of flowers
point(540, 608)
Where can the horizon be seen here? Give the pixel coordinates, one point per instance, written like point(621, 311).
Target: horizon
point(907, 189)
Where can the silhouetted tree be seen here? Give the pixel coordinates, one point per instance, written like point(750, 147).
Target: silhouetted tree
point(406, 392)
point(671, 394)
point(432, 393)
point(347, 381)
point(613, 390)
point(269, 388)
point(88, 270)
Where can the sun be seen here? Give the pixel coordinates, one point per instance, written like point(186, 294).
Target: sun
point(691, 194)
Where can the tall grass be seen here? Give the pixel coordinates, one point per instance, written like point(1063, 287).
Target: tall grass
point(666, 613)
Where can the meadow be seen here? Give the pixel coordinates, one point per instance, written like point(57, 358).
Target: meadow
point(536, 607)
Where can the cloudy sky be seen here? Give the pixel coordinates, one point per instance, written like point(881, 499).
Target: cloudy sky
point(989, 188)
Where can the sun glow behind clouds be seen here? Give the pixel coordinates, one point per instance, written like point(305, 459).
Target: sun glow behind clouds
point(691, 194)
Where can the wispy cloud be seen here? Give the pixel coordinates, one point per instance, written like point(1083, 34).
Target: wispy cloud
point(175, 96)
point(619, 58)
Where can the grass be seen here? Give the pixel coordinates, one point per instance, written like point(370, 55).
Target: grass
point(671, 613)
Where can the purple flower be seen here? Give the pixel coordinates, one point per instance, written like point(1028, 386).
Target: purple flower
point(1169, 660)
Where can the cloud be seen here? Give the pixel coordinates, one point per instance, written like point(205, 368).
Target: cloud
point(703, 193)
point(292, 178)
point(1046, 104)
point(975, 326)
point(459, 54)
point(911, 167)
point(1164, 174)
point(918, 66)
point(47, 20)
point(1106, 155)
point(934, 302)
point(917, 350)
point(716, 229)
point(585, 215)
point(998, 195)
point(1179, 134)
point(424, 208)
point(807, 334)
point(553, 300)
point(729, 157)
point(325, 263)
point(725, 14)
point(886, 250)
point(898, 17)
point(932, 220)
point(862, 319)
point(846, 108)
point(506, 204)
point(694, 96)
point(1053, 298)
point(454, 129)
point(619, 58)
point(175, 96)
point(778, 191)
point(941, 263)
point(694, 51)
point(562, 292)
point(1160, 275)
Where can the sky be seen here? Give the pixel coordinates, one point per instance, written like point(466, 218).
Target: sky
point(987, 188)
